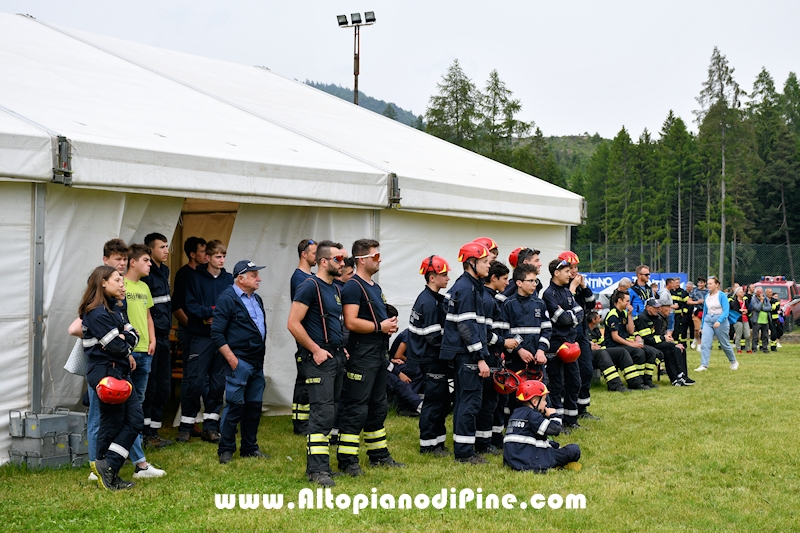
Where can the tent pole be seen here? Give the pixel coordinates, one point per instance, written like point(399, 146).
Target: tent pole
point(40, 193)
point(376, 233)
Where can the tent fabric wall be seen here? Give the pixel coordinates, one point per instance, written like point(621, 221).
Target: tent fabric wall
point(407, 238)
point(77, 224)
point(268, 235)
point(25, 150)
point(16, 324)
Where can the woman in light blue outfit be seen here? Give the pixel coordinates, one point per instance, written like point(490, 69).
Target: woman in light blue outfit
point(715, 324)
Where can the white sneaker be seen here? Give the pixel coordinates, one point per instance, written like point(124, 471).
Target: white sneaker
point(148, 471)
point(701, 368)
point(699, 348)
point(694, 345)
point(778, 345)
point(735, 365)
point(92, 477)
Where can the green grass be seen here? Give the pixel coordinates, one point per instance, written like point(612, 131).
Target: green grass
point(720, 456)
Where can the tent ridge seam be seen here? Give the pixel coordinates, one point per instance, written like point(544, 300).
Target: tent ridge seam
point(209, 94)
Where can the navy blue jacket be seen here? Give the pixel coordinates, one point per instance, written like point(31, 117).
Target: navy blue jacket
point(527, 317)
point(101, 340)
point(465, 324)
point(525, 446)
point(565, 314)
point(158, 281)
point(425, 327)
point(495, 325)
point(233, 326)
point(202, 291)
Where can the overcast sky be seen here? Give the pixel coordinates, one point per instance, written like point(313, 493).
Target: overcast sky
point(576, 66)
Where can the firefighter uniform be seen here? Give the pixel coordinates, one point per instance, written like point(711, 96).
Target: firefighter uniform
point(526, 445)
point(425, 328)
point(495, 329)
point(527, 321)
point(643, 361)
point(464, 342)
point(609, 362)
point(586, 299)
point(651, 328)
point(363, 402)
point(776, 324)
point(682, 314)
point(501, 410)
point(323, 323)
point(158, 385)
point(564, 378)
point(300, 406)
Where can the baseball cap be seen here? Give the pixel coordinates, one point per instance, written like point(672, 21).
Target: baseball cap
point(243, 266)
point(652, 302)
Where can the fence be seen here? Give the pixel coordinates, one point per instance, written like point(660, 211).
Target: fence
point(751, 260)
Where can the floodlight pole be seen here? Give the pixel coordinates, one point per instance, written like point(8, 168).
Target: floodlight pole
point(356, 50)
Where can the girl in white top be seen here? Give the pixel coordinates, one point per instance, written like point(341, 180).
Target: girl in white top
point(715, 324)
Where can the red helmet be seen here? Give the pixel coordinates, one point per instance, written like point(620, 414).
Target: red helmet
point(569, 351)
point(569, 257)
point(434, 264)
point(487, 242)
point(529, 373)
point(531, 389)
point(113, 390)
point(512, 257)
point(505, 381)
point(472, 249)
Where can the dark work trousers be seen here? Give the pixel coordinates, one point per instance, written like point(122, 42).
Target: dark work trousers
point(324, 383)
point(624, 362)
point(469, 394)
point(639, 357)
point(602, 361)
point(586, 369)
point(158, 386)
point(567, 454)
point(499, 419)
point(681, 331)
point(363, 403)
point(759, 330)
point(300, 396)
point(485, 422)
point(120, 423)
point(565, 382)
point(436, 406)
point(671, 360)
point(651, 354)
point(204, 365)
point(244, 392)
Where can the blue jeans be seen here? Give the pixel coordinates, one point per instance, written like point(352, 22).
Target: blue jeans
point(93, 423)
point(722, 333)
point(139, 379)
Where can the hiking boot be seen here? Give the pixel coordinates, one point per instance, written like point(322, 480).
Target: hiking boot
point(258, 454)
point(196, 432)
point(105, 475)
point(322, 478)
point(619, 388)
point(211, 436)
point(569, 428)
point(353, 470)
point(588, 416)
point(225, 458)
point(121, 484)
point(473, 460)
point(652, 385)
point(387, 461)
point(183, 436)
point(490, 450)
point(157, 441)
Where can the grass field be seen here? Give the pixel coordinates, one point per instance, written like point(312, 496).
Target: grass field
point(720, 456)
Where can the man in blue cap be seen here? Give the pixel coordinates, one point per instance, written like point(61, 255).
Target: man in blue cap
point(239, 331)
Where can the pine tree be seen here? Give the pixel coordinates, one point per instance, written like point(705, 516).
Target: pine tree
point(452, 115)
point(620, 191)
point(720, 102)
point(791, 103)
point(390, 112)
point(498, 125)
point(595, 188)
point(781, 171)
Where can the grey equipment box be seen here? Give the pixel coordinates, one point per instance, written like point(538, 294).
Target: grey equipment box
point(16, 424)
point(78, 443)
point(79, 459)
point(44, 446)
point(76, 421)
point(37, 462)
point(38, 426)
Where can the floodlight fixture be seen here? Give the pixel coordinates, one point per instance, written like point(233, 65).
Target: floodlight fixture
point(355, 22)
point(342, 20)
point(356, 18)
point(369, 17)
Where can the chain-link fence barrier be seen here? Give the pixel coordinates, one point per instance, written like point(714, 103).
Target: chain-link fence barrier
point(744, 263)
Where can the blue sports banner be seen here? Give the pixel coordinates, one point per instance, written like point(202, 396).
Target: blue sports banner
point(606, 282)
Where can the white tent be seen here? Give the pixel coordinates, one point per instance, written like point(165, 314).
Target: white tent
point(141, 129)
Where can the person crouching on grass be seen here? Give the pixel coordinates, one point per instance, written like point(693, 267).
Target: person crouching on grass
point(526, 446)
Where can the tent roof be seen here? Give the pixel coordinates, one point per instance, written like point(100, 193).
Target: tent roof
point(151, 120)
